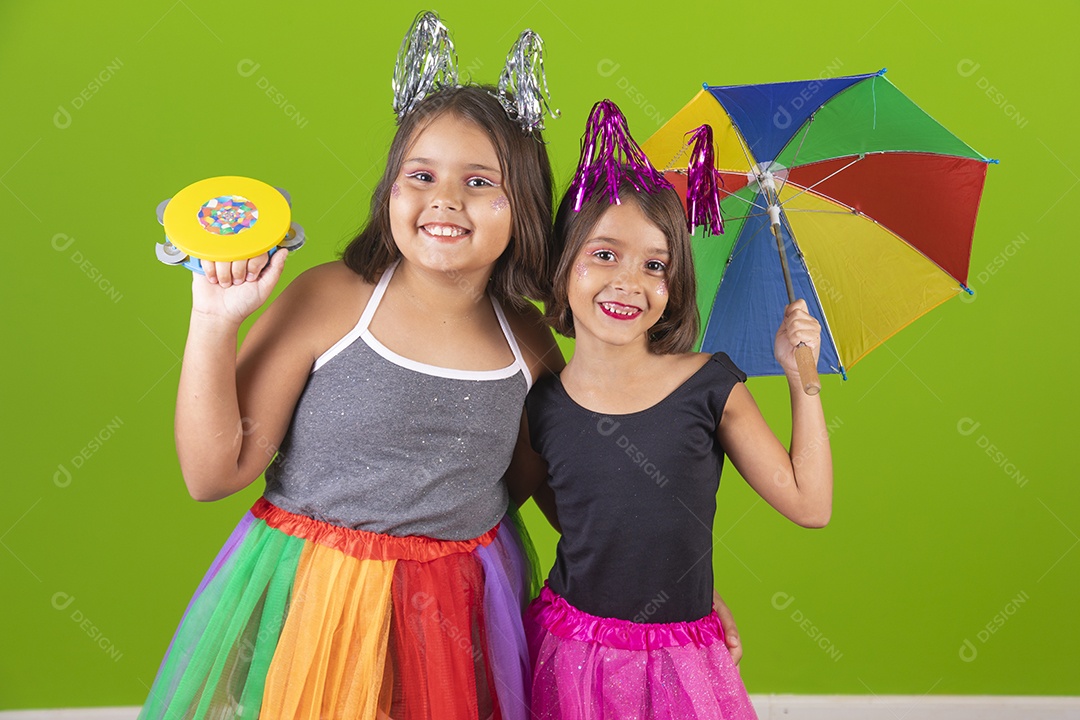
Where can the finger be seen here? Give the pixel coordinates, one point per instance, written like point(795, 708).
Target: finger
point(274, 268)
point(727, 622)
point(799, 304)
point(239, 271)
point(224, 273)
point(734, 647)
point(209, 271)
point(255, 266)
point(806, 330)
point(798, 322)
point(804, 326)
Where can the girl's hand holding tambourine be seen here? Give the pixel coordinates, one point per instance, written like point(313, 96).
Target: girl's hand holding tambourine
point(234, 290)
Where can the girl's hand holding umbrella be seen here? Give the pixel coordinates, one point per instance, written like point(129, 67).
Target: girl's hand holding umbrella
point(799, 328)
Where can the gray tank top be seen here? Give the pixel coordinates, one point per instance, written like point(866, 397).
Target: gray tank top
point(383, 443)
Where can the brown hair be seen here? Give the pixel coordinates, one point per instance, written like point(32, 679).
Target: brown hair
point(523, 270)
point(677, 329)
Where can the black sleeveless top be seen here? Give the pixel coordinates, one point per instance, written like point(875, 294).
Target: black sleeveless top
point(636, 496)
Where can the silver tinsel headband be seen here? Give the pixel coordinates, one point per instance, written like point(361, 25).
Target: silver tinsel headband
point(523, 89)
point(427, 62)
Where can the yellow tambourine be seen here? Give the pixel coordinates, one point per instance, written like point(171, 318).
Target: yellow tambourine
point(226, 218)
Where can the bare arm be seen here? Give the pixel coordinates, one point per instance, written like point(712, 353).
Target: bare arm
point(527, 469)
point(797, 482)
point(233, 409)
point(527, 475)
point(538, 347)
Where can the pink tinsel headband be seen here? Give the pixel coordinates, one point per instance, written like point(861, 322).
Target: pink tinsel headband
point(609, 155)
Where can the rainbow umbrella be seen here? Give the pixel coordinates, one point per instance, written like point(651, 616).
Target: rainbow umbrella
point(874, 205)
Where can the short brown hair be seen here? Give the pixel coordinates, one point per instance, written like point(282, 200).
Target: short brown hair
point(523, 270)
point(677, 329)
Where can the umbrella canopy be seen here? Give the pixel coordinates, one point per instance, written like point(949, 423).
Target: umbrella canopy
point(877, 212)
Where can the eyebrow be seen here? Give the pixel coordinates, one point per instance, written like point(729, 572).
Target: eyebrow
point(470, 166)
point(613, 241)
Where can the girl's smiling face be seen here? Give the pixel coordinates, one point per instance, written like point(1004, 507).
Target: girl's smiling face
point(617, 290)
point(449, 211)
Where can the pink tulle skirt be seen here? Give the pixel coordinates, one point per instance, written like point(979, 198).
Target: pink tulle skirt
point(587, 667)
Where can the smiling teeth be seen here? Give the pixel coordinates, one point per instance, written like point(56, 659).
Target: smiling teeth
point(620, 310)
point(445, 230)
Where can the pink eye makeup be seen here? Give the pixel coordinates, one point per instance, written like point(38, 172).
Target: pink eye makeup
point(481, 182)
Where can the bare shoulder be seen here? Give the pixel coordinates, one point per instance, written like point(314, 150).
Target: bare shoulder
point(328, 279)
point(672, 370)
point(679, 367)
point(534, 337)
point(696, 360)
point(740, 406)
point(328, 288)
point(317, 308)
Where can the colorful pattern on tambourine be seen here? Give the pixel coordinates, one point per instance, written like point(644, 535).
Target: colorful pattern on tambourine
point(227, 218)
point(228, 215)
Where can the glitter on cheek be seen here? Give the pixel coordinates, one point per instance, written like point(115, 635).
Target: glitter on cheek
point(661, 289)
point(581, 270)
point(500, 203)
point(395, 190)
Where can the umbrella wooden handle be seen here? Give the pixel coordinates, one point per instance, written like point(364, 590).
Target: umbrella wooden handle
point(808, 375)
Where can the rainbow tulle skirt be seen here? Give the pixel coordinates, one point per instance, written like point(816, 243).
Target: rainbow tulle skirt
point(298, 618)
point(588, 667)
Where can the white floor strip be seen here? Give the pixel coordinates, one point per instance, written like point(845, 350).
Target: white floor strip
point(924, 707)
point(780, 707)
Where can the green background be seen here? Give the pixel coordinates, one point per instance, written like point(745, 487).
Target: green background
point(955, 483)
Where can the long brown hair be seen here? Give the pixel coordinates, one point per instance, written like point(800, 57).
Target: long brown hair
point(523, 270)
point(677, 329)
